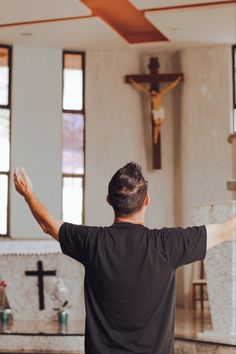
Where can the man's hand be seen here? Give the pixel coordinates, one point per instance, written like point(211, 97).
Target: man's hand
point(47, 222)
point(22, 182)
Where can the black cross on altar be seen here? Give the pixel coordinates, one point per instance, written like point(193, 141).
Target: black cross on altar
point(154, 79)
point(40, 273)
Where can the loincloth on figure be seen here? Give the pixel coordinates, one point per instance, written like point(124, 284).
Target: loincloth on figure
point(158, 114)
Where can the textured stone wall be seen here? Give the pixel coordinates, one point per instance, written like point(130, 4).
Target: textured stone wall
point(202, 157)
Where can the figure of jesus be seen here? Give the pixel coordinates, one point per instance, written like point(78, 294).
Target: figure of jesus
point(158, 111)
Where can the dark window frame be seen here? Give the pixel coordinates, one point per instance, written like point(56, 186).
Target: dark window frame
point(234, 85)
point(8, 107)
point(82, 112)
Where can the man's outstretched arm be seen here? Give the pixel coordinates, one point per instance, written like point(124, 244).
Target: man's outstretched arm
point(46, 221)
point(218, 233)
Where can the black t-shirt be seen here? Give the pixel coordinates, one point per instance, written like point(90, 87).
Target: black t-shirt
point(130, 283)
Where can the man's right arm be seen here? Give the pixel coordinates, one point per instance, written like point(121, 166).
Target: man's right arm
point(46, 221)
point(218, 233)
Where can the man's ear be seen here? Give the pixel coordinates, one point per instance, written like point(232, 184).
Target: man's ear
point(147, 200)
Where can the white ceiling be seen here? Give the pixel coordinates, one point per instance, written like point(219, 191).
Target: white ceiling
point(30, 10)
point(216, 25)
point(91, 33)
point(152, 4)
point(184, 27)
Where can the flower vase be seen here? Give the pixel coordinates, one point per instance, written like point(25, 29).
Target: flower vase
point(63, 317)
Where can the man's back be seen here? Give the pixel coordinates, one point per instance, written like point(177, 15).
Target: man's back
point(130, 283)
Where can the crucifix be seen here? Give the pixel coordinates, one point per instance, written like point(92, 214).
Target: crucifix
point(40, 273)
point(156, 95)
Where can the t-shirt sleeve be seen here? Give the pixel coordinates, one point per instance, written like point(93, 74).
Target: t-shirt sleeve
point(184, 246)
point(73, 241)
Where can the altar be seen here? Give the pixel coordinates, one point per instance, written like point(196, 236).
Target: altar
point(31, 269)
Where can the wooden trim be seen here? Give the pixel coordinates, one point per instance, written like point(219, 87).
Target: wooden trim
point(145, 38)
point(4, 107)
point(73, 175)
point(187, 6)
point(73, 111)
point(49, 20)
point(5, 173)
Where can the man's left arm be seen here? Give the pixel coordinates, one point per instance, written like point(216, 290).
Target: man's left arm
point(46, 221)
point(218, 233)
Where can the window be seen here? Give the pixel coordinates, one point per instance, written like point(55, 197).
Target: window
point(73, 127)
point(5, 127)
point(234, 88)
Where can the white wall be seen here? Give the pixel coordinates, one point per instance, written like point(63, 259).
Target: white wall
point(36, 131)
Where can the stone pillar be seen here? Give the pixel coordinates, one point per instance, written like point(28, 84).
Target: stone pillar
point(220, 268)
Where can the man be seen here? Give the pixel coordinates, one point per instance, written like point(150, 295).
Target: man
point(129, 268)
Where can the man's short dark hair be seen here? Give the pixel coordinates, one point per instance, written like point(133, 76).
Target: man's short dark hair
point(127, 190)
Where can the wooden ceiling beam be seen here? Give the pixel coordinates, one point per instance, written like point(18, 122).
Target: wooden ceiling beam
point(125, 19)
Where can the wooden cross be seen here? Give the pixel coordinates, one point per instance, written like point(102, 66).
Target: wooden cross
point(154, 79)
point(40, 273)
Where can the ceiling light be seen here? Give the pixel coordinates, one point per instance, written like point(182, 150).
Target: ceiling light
point(26, 34)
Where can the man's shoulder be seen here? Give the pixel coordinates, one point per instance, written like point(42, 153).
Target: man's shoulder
point(80, 228)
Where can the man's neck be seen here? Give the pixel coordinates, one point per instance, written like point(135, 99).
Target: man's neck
point(135, 219)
